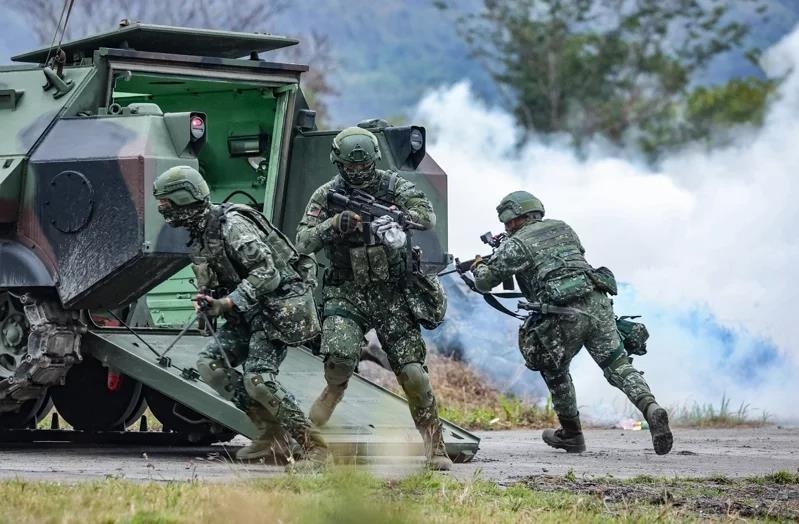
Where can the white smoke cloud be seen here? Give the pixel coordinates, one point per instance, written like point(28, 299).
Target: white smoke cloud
point(707, 242)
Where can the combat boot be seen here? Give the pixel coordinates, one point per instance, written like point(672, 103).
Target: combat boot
point(272, 441)
point(435, 450)
point(323, 406)
point(316, 456)
point(569, 436)
point(658, 421)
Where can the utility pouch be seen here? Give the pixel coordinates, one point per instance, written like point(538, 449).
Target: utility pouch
point(541, 343)
point(604, 280)
point(426, 299)
point(633, 335)
point(566, 288)
point(294, 317)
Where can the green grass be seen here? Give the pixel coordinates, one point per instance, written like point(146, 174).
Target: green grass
point(721, 416)
point(505, 412)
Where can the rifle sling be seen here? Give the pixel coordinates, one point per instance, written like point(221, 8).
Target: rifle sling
point(491, 299)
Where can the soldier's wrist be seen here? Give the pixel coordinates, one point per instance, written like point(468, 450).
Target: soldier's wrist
point(236, 301)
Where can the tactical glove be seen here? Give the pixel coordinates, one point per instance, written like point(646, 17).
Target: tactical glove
point(346, 222)
point(477, 261)
point(214, 307)
point(389, 232)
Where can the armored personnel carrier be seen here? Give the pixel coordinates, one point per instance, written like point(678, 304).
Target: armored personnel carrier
point(94, 286)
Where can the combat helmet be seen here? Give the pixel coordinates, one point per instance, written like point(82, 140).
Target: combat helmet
point(182, 185)
point(354, 152)
point(517, 204)
point(187, 194)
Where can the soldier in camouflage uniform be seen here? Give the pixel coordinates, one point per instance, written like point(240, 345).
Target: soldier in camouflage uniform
point(363, 288)
point(546, 257)
point(249, 273)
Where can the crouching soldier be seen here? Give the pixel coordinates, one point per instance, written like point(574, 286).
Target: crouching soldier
point(548, 261)
point(250, 274)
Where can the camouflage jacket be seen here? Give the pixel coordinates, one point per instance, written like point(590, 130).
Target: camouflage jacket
point(546, 257)
point(249, 264)
point(316, 231)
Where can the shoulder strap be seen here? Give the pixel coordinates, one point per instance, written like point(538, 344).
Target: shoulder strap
point(387, 190)
point(339, 185)
point(213, 228)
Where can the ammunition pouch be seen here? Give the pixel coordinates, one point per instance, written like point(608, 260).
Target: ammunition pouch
point(542, 344)
point(604, 280)
point(369, 264)
point(633, 335)
point(563, 289)
point(426, 299)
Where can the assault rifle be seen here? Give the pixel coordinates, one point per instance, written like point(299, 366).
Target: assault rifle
point(487, 238)
point(368, 208)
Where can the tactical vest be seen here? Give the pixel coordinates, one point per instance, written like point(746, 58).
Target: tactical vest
point(217, 272)
point(352, 260)
point(559, 272)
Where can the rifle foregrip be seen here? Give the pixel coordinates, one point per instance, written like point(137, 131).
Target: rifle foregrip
point(465, 266)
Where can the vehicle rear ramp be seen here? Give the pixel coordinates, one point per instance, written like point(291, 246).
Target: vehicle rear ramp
point(369, 422)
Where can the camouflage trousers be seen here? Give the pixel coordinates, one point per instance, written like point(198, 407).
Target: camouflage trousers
point(349, 312)
point(255, 345)
point(549, 342)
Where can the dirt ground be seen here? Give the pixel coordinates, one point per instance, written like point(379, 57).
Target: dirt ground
point(721, 458)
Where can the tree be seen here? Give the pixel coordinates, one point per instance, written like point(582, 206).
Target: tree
point(708, 115)
point(96, 16)
point(610, 68)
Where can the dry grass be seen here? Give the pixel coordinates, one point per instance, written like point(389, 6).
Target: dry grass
point(467, 399)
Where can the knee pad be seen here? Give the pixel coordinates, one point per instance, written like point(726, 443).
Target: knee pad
point(338, 370)
point(416, 384)
point(618, 370)
point(265, 390)
point(218, 376)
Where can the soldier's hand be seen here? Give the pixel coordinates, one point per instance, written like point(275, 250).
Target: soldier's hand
point(347, 221)
point(214, 307)
point(477, 261)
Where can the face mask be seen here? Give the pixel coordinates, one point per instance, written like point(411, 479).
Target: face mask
point(357, 175)
point(182, 216)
